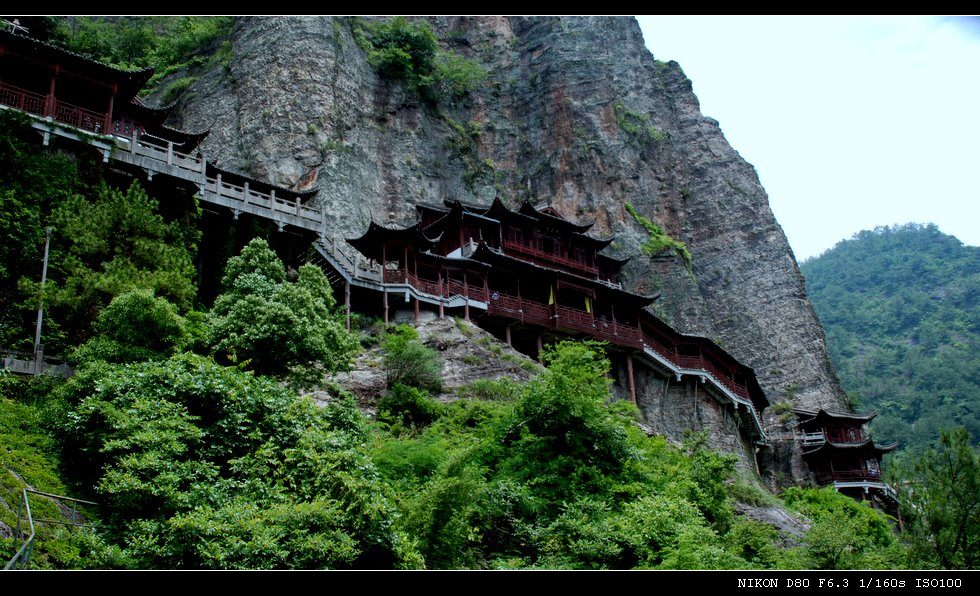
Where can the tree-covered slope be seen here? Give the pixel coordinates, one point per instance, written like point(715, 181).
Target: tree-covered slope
point(899, 306)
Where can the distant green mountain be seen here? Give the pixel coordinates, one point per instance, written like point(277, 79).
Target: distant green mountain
point(900, 308)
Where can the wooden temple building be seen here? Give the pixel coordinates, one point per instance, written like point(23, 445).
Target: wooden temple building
point(530, 276)
point(51, 82)
point(527, 275)
point(76, 99)
point(839, 452)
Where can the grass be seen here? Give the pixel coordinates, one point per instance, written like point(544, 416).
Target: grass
point(658, 240)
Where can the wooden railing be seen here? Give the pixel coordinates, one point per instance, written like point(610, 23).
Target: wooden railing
point(43, 105)
point(557, 259)
point(79, 117)
point(837, 435)
point(575, 319)
point(23, 100)
point(158, 152)
point(394, 276)
point(848, 476)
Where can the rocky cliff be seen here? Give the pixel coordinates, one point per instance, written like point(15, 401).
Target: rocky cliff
point(575, 113)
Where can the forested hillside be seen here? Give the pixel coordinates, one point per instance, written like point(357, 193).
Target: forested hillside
point(901, 307)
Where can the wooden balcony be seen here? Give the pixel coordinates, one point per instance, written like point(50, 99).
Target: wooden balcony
point(46, 106)
point(569, 319)
point(824, 478)
point(24, 100)
point(537, 254)
point(841, 436)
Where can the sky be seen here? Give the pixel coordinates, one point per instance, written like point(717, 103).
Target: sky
point(851, 122)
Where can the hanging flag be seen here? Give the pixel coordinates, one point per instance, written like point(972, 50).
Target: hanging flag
point(551, 297)
point(588, 305)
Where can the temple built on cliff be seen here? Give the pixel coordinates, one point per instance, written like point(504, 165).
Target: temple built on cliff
point(527, 274)
point(530, 276)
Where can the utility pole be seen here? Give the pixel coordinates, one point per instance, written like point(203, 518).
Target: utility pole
point(38, 349)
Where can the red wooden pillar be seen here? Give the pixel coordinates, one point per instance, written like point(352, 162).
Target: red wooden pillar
point(108, 115)
point(520, 302)
point(347, 304)
point(405, 264)
point(612, 309)
point(49, 108)
point(384, 297)
point(466, 295)
point(629, 370)
point(442, 307)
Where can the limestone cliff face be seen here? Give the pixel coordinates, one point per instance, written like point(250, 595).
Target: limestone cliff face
point(300, 105)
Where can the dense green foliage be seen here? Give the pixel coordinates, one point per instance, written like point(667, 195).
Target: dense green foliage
point(408, 361)
point(554, 476)
point(135, 326)
point(940, 493)
point(166, 44)
point(657, 240)
point(105, 242)
point(29, 457)
point(900, 308)
point(116, 242)
point(409, 52)
point(32, 181)
point(845, 534)
point(202, 465)
point(278, 327)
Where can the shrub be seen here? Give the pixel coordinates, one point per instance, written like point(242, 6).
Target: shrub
point(177, 88)
point(845, 534)
point(408, 361)
point(409, 406)
point(409, 52)
point(637, 125)
point(502, 389)
point(658, 240)
point(278, 327)
point(135, 326)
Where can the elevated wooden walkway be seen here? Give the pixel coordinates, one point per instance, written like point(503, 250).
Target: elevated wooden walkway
point(162, 159)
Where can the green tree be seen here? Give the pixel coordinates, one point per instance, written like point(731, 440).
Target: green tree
point(845, 533)
point(278, 327)
point(409, 52)
point(562, 437)
point(940, 495)
point(113, 244)
point(899, 305)
point(32, 180)
point(403, 50)
point(135, 326)
point(200, 465)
